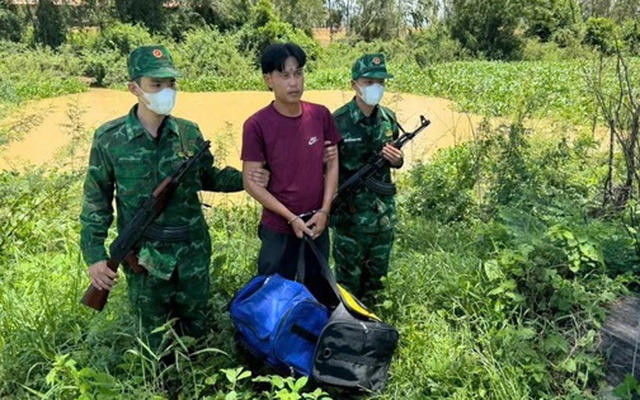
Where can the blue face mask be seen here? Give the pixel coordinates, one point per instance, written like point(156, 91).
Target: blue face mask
point(372, 94)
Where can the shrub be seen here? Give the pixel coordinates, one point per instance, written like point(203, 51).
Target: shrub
point(123, 38)
point(107, 67)
point(10, 26)
point(206, 51)
point(264, 28)
point(79, 40)
point(602, 34)
point(631, 35)
point(181, 20)
point(442, 190)
point(435, 45)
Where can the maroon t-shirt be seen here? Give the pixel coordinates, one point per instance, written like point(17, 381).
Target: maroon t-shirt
point(292, 148)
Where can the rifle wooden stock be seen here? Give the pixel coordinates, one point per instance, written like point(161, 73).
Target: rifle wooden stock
point(96, 298)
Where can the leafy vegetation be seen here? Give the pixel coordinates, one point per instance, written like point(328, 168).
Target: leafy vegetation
point(509, 248)
point(491, 299)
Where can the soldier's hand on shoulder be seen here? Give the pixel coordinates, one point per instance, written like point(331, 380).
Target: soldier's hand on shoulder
point(393, 155)
point(260, 176)
point(102, 277)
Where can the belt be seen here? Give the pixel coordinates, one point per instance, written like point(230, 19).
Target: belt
point(166, 233)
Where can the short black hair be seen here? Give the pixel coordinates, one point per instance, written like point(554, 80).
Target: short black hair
point(275, 56)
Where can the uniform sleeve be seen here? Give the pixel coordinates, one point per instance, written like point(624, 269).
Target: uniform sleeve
point(332, 133)
point(97, 209)
point(213, 179)
point(396, 130)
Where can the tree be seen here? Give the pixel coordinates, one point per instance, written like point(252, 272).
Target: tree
point(544, 17)
point(378, 19)
point(421, 13)
point(50, 29)
point(147, 12)
point(487, 27)
point(618, 10)
point(265, 27)
point(603, 34)
point(224, 14)
point(302, 14)
point(10, 26)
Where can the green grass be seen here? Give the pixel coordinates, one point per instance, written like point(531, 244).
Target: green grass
point(489, 305)
point(499, 278)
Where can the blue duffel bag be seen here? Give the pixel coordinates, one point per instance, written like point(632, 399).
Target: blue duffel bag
point(278, 321)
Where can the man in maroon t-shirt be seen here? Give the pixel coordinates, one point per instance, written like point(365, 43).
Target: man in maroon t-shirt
point(288, 137)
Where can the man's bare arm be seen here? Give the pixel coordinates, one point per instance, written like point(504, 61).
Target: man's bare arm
point(268, 201)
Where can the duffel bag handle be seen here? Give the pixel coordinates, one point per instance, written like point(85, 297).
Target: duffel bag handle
point(300, 267)
point(353, 305)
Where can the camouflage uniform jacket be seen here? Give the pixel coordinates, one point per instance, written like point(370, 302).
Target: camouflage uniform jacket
point(125, 157)
point(363, 137)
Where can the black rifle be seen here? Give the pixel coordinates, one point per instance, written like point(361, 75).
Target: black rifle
point(360, 178)
point(133, 231)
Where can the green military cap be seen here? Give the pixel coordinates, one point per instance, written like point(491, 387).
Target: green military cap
point(151, 61)
point(370, 66)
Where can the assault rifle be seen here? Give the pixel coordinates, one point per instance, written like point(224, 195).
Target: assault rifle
point(153, 206)
point(363, 175)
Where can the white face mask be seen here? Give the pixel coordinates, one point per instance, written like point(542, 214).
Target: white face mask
point(161, 102)
point(372, 94)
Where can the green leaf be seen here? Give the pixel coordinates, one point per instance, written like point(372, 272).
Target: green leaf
point(212, 379)
point(300, 383)
point(492, 270)
point(623, 390)
point(244, 375)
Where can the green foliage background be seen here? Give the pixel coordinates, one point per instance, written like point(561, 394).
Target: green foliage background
point(504, 261)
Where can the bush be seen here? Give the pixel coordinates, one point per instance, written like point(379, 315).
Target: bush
point(123, 38)
point(206, 51)
point(442, 190)
point(106, 68)
point(27, 74)
point(79, 40)
point(181, 20)
point(264, 28)
point(435, 45)
point(631, 36)
point(10, 26)
point(602, 34)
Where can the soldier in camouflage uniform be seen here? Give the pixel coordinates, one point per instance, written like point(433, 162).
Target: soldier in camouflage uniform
point(132, 155)
point(363, 225)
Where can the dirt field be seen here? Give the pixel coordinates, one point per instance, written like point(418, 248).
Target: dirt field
point(220, 116)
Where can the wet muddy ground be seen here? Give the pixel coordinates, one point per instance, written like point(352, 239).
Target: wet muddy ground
point(220, 117)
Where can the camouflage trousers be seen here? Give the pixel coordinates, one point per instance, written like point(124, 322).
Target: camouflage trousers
point(361, 259)
point(184, 296)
